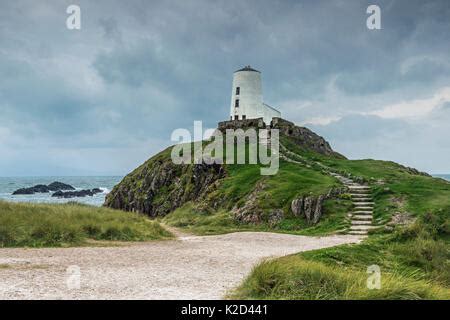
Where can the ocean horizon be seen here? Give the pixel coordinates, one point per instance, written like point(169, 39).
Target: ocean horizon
point(9, 184)
point(443, 176)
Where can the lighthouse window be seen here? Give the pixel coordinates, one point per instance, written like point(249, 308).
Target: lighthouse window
point(238, 90)
point(236, 103)
point(243, 117)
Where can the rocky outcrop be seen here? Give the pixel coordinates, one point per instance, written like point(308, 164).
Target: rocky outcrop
point(59, 186)
point(310, 207)
point(241, 124)
point(159, 186)
point(41, 188)
point(304, 137)
point(250, 212)
point(77, 194)
point(275, 217)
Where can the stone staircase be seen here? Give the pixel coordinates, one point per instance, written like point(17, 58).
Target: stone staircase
point(362, 215)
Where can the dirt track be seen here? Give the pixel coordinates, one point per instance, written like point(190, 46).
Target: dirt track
point(191, 267)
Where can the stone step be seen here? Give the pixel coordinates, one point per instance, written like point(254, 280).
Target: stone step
point(363, 203)
point(366, 213)
point(357, 192)
point(357, 227)
point(362, 208)
point(362, 199)
point(361, 222)
point(362, 217)
point(360, 187)
point(358, 232)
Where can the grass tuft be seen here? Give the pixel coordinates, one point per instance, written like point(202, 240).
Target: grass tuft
point(45, 225)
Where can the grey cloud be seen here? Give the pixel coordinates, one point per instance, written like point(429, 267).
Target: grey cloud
point(139, 69)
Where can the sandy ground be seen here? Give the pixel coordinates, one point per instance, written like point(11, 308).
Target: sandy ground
point(191, 267)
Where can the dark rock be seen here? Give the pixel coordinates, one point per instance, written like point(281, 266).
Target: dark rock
point(39, 188)
point(310, 207)
point(250, 212)
point(317, 213)
point(304, 137)
point(23, 191)
point(300, 135)
point(76, 194)
point(57, 186)
point(241, 124)
point(159, 186)
point(275, 217)
point(297, 207)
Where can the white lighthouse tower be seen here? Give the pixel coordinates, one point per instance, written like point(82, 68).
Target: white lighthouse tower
point(246, 97)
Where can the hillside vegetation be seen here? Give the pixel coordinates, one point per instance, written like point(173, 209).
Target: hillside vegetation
point(410, 243)
point(55, 225)
point(412, 249)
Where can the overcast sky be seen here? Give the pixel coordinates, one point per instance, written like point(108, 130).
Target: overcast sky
point(103, 99)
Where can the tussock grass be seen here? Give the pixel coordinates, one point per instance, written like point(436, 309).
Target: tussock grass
point(53, 225)
point(295, 278)
point(414, 263)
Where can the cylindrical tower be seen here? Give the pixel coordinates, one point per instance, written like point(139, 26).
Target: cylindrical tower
point(246, 95)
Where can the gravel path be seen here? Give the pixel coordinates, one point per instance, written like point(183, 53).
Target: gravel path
point(191, 267)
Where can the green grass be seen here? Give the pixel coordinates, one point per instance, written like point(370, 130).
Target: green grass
point(203, 223)
point(414, 259)
point(414, 263)
point(295, 278)
point(219, 222)
point(41, 225)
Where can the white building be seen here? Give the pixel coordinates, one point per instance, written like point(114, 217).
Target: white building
point(246, 97)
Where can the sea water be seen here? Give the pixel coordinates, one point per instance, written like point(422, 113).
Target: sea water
point(9, 184)
point(443, 176)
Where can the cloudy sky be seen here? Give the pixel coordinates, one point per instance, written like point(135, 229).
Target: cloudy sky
point(101, 100)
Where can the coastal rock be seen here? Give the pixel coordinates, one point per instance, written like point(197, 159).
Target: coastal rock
point(23, 191)
point(41, 188)
point(57, 186)
point(159, 186)
point(76, 194)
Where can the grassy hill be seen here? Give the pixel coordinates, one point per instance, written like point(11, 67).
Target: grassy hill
point(411, 210)
point(414, 257)
point(55, 225)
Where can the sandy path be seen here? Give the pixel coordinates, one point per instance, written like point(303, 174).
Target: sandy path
point(191, 267)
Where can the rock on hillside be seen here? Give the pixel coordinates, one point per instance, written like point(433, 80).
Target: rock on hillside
point(304, 137)
point(159, 186)
point(301, 136)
